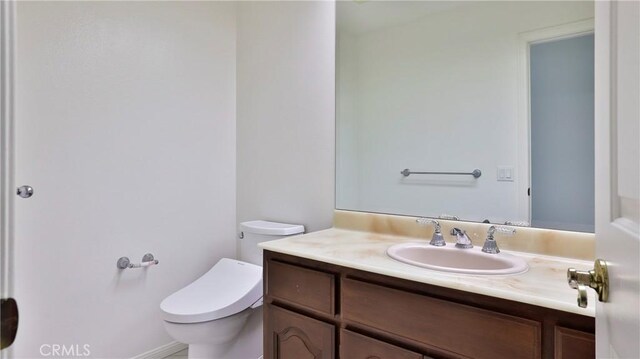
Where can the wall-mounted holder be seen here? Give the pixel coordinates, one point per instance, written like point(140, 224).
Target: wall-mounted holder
point(476, 173)
point(147, 260)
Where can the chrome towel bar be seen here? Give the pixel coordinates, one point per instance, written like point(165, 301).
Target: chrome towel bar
point(147, 260)
point(475, 173)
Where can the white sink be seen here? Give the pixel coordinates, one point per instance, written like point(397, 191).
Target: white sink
point(456, 260)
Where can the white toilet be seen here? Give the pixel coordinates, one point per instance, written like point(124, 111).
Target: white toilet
point(220, 314)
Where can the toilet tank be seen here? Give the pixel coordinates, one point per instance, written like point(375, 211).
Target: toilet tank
point(254, 232)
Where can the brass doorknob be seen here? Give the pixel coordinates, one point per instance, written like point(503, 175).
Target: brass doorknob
point(597, 278)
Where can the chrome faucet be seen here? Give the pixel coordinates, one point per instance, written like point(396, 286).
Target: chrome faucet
point(518, 223)
point(490, 244)
point(462, 240)
point(449, 217)
point(437, 239)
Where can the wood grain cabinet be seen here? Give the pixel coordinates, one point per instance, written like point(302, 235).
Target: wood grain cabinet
point(358, 346)
point(296, 336)
point(574, 343)
point(318, 310)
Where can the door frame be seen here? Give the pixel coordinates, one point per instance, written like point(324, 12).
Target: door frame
point(525, 40)
point(7, 86)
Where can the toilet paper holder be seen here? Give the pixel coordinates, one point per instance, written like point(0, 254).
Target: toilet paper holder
point(147, 260)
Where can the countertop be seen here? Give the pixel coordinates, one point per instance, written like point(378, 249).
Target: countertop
point(544, 284)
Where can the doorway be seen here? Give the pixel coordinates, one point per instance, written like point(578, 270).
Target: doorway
point(562, 133)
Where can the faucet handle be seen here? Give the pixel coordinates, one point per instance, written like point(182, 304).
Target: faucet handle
point(449, 217)
point(427, 221)
point(518, 223)
point(501, 229)
point(437, 239)
point(490, 244)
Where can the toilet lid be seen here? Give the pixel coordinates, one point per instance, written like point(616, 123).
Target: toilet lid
point(230, 287)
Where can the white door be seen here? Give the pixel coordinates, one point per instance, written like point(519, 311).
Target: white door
point(617, 93)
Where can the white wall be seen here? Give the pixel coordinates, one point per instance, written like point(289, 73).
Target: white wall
point(126, 130)
point(347, 125)
point(285, 119)
point(437, 94)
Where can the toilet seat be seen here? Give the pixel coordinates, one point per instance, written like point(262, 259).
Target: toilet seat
point(230, 287)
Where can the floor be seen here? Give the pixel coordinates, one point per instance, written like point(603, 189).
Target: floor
point(179, 355)
point(183, 355)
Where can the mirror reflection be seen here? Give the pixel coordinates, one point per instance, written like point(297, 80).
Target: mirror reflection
point(504, 88)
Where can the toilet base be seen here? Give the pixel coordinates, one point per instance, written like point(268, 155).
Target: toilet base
point(248, 344)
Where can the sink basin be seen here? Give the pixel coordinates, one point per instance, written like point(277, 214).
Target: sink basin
point(456, 260)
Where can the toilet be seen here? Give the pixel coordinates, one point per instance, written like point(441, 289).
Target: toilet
point(219, 315)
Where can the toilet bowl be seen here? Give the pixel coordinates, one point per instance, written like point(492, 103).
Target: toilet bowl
point(210, 314)
point(220, 314)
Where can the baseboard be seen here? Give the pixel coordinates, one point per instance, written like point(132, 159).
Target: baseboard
point(163, 351)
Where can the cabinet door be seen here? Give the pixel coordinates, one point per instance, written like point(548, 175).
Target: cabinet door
point(356, 346)
point(574, 344)
point(290, 335)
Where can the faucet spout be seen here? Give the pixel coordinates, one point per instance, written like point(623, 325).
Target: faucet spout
point(462, 239)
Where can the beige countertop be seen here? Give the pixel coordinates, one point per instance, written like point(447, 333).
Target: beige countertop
point(544, 284)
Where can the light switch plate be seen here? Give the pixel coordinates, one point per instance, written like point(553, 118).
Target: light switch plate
point(506, 174)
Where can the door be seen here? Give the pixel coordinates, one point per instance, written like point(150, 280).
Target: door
point(617, 182)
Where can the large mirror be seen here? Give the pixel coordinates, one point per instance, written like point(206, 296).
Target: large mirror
point(496, 98)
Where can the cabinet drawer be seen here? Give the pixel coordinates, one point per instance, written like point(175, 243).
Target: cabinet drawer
point(451, 327)
point(357, 346)
point(290, 335)
point(574, 344)
point(304, 287)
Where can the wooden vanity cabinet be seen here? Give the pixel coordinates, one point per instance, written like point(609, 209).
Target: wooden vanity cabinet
point(318, 310)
